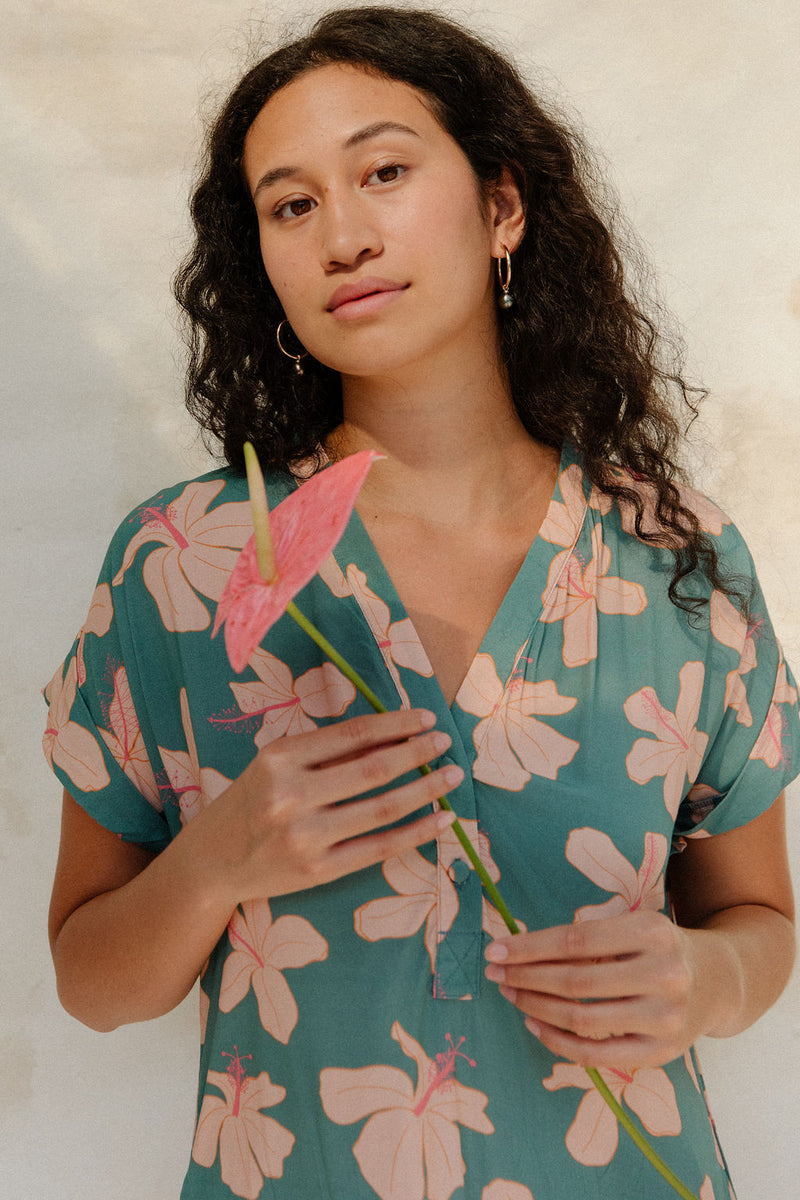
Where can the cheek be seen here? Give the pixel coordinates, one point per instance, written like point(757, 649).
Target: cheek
point(279, 271)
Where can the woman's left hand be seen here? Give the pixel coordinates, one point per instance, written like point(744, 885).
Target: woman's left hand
point(628, 991)
point(636, 990)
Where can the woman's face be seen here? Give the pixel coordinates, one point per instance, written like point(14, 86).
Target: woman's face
point(372, 228)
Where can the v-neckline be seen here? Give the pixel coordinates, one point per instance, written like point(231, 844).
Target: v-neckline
point(518, 611)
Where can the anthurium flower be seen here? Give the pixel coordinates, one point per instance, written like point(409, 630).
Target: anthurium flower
point(305, 528)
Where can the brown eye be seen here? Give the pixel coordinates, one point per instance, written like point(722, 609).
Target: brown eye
point(294, 208)
point(388, 174)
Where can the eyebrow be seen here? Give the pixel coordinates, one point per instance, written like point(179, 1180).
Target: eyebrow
point(355, 139)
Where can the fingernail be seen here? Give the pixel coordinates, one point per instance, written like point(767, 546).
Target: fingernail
point(496, 952)
point(509, 993)
point(441, 741)
point(445, 820)
point(532, 1027)
point(427, 719)
point(453, 775)
point(495, 973)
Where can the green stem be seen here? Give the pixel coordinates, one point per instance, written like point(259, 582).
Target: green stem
point(641, 1141)
point(493, 894)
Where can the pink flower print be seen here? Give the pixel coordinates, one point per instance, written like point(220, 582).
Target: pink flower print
point(511, 743)
point(124, 739)
point(593, 1136)
point(98, 622)
point(252, 1147)
point(575, 593)
point(594, 854)
point(194, 786)
point(334, 577)
point(410, 1147)
point(678, 749)
point(769, 745)
point(287, 705)
point(67, 744)
point(707, 1190)
point(730, 628)
point(426, 894)
point(262, 949)
point(305, 527)
point(397, 641)
point(504, 1189)
point(198, 552)
point(563, 521)
point(415, 903)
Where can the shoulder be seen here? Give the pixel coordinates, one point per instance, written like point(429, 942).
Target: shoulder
point(632, 514)
point(178, 547)
point(210, 510)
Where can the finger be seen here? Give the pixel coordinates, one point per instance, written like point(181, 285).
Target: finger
point(627, 1052)
point(352, 737)
point(378, 767)
point(595, 1021)
point(611, 938)
point(342, 822)
point(355, 855)
point(584, 980)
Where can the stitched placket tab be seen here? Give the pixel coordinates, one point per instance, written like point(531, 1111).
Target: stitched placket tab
point(459, 911)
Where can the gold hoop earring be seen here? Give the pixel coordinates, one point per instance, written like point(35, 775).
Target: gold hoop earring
point(295, 357)
point(505, 300)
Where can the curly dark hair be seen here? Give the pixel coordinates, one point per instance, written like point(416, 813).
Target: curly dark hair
point(585, 361)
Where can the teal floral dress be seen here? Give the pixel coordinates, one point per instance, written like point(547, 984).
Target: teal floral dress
point(351, 1046)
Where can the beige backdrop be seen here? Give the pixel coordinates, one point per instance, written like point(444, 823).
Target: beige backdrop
point(693, 103)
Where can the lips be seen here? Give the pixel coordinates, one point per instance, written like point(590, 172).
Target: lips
point(349, 293)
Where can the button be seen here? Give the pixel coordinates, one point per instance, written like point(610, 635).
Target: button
point(459, 872)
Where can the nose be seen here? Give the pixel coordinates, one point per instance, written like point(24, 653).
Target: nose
point(349, 232)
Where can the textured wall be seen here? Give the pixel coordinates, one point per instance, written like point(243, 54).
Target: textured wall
point(693, 105)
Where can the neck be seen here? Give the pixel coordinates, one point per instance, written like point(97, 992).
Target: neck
point(455, 447)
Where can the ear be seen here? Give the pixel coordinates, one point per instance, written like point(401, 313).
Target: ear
point(506, 215)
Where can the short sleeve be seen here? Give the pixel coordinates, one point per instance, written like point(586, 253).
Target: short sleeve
point(754, 748)
point(94, 739)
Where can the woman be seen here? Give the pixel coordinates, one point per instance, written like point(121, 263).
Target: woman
point(407, 260)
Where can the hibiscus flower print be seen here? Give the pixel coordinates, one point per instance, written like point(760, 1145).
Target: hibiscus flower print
point(66, 744)
point(251, 1146)
point(98, 622)
point(564, 518)
point(287, 705)
point(123, 737)
point(198, 552)
point(731, 629)
point(426, 894)
point(769, 746)
point(261, 950)
point(505, 1189)
point(410, 1147)
point(594, 854)
point(193, 786)
point(397, 641)
point(512, 744)
point(678, 748)
point(593, 1136)
point(576, 591)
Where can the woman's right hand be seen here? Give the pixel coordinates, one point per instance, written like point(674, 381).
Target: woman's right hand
point(282, 825)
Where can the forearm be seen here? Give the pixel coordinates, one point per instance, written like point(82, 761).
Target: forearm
point(134, 953)
point(743, 959)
